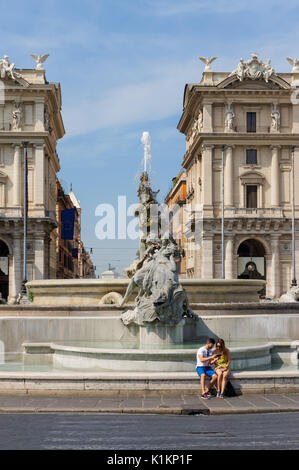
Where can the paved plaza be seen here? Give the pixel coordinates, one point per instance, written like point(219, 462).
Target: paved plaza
point(155, 404)
point(138, 432)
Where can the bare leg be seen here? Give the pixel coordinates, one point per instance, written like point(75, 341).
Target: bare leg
point(212, 381)
point(202, 383)
point(224, 380)
point(219, 373)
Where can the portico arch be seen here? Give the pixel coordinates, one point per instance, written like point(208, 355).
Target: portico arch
point(252, 259)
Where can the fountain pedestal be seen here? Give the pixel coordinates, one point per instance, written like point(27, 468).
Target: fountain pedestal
point(159, 335)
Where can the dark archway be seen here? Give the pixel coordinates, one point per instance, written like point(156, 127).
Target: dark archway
point(4, 266)
point(251, 248)
point(252, 261)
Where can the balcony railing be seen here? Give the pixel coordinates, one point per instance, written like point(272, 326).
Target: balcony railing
point(272, 212)
point(11, 212)
point(259, 130)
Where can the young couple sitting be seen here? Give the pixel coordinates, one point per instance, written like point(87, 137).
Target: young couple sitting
point(220, 358)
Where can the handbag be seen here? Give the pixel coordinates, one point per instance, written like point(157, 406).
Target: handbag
point(229, 390)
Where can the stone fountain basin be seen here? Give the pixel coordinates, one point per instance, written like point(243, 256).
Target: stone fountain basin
point(74, 356)
point(96, 291)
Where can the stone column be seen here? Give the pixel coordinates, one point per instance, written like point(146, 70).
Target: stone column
point(207, 263)
point(275, 177)
point(39, 249)
point(17, 176)
point(275, 266)
point(207, 177)
point(39, 199)
point(229, 178)
point(16, 269)
point(229, 257)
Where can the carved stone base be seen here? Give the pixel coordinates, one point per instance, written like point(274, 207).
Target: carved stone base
point(161, 335)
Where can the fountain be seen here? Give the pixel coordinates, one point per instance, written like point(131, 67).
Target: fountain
point(143, 332)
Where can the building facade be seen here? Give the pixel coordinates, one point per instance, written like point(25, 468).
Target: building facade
point(73, 261)
point(67, 250)
point(30, 111)
point(87, 268)
point(176, 202)
point(249, 120)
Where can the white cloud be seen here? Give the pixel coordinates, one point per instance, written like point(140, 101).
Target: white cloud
point(157, 98)
point(179, 7)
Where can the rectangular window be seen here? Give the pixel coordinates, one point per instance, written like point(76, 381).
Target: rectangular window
point(251, 122)
point(251, 197)
point(251, 157)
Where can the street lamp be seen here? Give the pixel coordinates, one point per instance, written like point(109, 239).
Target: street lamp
point(222, 215)
point(24, 290)
point(294, 280)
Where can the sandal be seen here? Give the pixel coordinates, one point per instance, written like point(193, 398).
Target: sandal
point(218, 393)
point(221, 395)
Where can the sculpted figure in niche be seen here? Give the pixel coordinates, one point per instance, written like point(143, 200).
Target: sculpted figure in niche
point(229, 119)
point(17, 116)
point(200, 121)
point(275, 116)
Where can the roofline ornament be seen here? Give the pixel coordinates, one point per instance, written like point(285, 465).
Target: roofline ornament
point(253, 69)
point(7, 68)
point(39, 59)
point(294, 63)
point(207, 61)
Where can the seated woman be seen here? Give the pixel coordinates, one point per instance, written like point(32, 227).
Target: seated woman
point(222, 366)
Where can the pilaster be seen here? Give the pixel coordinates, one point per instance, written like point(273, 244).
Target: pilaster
point(229, 177)
point(17, 176)
point(275, 177)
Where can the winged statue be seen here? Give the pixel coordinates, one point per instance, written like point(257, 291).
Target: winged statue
point(207, 61)
point(39, 59)
point(294, 63)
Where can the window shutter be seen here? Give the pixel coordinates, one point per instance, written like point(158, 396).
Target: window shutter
point(251, 199)
point(251, 156)
point(251, 122)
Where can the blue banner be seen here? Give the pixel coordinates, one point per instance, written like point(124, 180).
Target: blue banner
point(67, 224)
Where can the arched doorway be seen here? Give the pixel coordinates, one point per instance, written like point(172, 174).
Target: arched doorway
point(4, 252)
point(251, 260)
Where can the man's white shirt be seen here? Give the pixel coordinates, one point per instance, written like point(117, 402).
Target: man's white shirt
point(205, 353)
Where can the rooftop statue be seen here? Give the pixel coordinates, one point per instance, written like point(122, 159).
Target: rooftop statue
point(39, 59)
point(207, 63)
point(294, 63)
point(7, 68)
point(254, 69)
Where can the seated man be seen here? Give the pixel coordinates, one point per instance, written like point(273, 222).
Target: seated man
point(203, 368)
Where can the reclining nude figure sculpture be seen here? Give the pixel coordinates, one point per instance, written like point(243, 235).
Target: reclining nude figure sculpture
point(160, 295)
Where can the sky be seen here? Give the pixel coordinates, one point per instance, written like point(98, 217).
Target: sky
point(123, 66)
